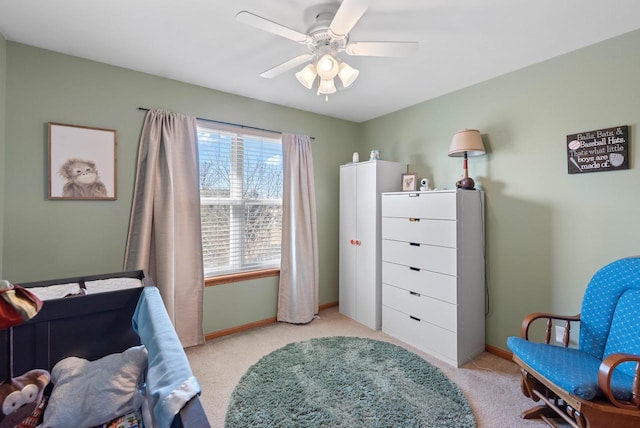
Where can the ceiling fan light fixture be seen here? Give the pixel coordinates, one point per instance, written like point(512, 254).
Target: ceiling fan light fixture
point(347, 74)
point(307, 75)
point(327, 67)
point(326, 87)
point(326, 38)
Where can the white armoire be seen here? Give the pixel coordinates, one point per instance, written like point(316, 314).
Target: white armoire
point(360, 273)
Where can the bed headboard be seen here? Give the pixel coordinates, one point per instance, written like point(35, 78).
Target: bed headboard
point(88, 326)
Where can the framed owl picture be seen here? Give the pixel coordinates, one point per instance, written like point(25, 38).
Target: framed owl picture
point(82, 162)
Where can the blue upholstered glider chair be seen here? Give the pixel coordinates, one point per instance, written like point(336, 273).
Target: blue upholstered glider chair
point(598, 383)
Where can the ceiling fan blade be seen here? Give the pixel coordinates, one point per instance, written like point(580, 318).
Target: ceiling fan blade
point(287, 65)
point(272, 27)
point(393, 49)
point(347, 16)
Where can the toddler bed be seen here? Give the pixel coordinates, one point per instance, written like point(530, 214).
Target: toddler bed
point(103, 320)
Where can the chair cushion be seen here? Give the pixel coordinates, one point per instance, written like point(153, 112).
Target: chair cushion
point(624, 335)
point(600, 300)
point(571, 369)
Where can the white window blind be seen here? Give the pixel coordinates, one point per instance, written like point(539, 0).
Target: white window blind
point(240, 198)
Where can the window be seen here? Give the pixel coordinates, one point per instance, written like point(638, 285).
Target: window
point(241, 186)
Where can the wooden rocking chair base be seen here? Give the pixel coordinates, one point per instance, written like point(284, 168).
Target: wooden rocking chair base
point(539, 412)
point(577, 412)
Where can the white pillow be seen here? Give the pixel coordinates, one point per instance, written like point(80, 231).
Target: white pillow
point(89, 393)
point(57, 291)
point(111, 284)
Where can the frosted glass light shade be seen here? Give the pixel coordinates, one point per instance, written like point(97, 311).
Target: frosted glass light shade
point(326, 86)
point(307, 76)
point(327, 67)
point(347, 74)
point(467, 141)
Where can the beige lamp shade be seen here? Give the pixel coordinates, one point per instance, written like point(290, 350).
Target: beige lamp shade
point(347, 74)
point(467, 141)
point(307, 75)
point(326, 86)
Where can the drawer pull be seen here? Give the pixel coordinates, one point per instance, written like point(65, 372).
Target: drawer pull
point(413, 293)
point(414, 268)
point(414, 195)
point(414, 219)
point(414, 318)
point(414, 244)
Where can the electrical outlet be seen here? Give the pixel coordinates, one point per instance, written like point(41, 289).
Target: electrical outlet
point(559, 333)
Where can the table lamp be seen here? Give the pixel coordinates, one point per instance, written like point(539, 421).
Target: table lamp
point(466, 143)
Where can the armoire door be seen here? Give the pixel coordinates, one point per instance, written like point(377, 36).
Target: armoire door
point(366, 245)
point(347, 247)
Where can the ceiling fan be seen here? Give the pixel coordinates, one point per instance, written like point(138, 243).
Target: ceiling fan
point(327, 37)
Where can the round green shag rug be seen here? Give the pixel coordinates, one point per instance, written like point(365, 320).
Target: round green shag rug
point(346, 382)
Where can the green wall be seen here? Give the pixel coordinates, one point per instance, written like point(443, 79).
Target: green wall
point(54, 239)
point(546, 231)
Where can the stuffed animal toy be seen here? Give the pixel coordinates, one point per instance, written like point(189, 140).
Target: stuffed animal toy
point(21, 395)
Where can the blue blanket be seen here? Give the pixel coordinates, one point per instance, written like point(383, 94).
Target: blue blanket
point(170, 382)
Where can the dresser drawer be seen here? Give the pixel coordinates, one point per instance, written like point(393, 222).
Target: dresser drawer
point(424, 336)
point(424, 308)
point(434, 205)
point(424, 231)
point(424, 282)
point(429, 257)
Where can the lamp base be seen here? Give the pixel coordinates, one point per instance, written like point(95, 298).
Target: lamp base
point(466, 183)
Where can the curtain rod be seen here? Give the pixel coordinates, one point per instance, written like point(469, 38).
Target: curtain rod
point(230, 124)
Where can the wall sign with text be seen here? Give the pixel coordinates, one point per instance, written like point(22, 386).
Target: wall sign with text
point(600, 150)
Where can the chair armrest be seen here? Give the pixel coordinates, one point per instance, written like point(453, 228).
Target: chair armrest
point(529, 319)
point(607, 367)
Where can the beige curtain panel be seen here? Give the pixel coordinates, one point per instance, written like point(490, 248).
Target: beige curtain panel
point(164, 231)
point(299, 273)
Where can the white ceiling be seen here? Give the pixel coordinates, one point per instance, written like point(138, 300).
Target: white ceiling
point(462, 42)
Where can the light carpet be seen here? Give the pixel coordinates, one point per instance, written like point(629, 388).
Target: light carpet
point(490, 384)
point(346, 382)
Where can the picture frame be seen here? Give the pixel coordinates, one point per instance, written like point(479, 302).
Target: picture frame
point(409, 182)
point(82, 162)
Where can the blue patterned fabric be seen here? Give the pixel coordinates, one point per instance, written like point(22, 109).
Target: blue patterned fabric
point(571, 369)
point(600, 300)
point(625, 330)
point(609, 323)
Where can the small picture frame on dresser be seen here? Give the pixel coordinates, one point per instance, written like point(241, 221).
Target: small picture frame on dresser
point(409, 182)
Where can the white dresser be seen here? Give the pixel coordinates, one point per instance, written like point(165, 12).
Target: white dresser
point(433, 284)
point(360, 255)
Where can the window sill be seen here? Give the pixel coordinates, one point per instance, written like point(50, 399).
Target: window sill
point(239, 277)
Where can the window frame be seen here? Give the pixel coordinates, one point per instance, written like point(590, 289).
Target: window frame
point(231, 277)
